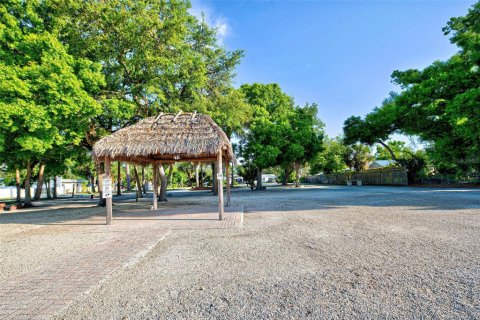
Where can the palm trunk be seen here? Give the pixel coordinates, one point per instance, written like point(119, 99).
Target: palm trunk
point(92, 181)
point(47, 187)
point(259, 179)
point(55, 187)
point(139, 184)
point(170, 173)
point(197, 175)
point(297, 174)
point(127, 174)
point(233, 168)
point(214, 179)
point(119, 178)
point(38, 192)
point(144, 187)
point(18, 184)
point(100, 173)
point(163, 183)
point(28, 178)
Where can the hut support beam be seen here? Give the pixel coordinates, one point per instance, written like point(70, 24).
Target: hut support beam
point(220, 185)
point(155, 186)
point(108, 174)
point(227, 167)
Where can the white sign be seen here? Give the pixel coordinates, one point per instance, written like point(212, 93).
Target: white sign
point(219, 176)
point(107, 188)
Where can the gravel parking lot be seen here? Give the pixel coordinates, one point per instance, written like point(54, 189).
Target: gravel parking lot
point(330, 252)
point(313, 252)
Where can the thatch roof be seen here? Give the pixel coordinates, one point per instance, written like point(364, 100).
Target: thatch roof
point(168, 138)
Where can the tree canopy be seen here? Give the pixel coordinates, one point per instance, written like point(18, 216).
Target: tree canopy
point(439, 104)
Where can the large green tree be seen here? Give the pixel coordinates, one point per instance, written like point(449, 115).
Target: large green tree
point(303, 139)
point(331, 159)
point(439, 104)
point(156, 57)
point(45, 96)
point(265, 137)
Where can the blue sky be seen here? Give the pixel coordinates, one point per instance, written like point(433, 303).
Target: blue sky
point(338, 54)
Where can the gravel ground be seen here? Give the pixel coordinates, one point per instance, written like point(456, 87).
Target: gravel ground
point(329, 252)
point(315, 252)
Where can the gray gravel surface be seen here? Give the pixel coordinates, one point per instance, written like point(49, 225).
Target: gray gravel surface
point(318, 252)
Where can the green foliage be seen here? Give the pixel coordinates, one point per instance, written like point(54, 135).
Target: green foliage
point(303, 137)
point(156, 56)
point(45, 97)
point(357, 156)
point(248, 172)
point(399, 148)
point(265, 137)
point(331, 159)
point(439, 104)
point(231, 112)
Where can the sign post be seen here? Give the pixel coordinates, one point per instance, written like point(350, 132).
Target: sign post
point(107, 188)
point(107, 191)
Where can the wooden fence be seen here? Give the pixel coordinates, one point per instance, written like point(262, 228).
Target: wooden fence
point(390, 176)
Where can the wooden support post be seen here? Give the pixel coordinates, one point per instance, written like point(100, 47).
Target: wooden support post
point(155, 186)
point(220, 185)
point(108, 174)
point(227, 166)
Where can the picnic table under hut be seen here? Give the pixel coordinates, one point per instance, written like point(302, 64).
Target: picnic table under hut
point(166, 139)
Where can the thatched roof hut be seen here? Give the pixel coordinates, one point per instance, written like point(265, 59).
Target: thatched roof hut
point(167, 138)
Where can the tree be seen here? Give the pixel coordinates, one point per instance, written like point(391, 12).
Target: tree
point(263, 141)
point(439, 104)
point(399, 149)
point(156, 57)
point(357, 156)
point(375, 128)
point(45, 97)
point(302, 141)
point(331, 159)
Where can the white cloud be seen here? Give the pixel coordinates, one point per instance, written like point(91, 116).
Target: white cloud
point(201, 10)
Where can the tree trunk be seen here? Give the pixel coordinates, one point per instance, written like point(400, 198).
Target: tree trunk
point(100, 174)
point(259, 179)
point(163, 183)
point(119, 178)
point(214, 179)
point(28, 178)
point(170, 173)
point(201, 175)
point(38, 192)
point(388, 149)
point(55, 187)
point(18, 184)
point(127, 173)
point(144, 187)
point(197, 175)
point(297, 174)
point(73, 189)
point(139, 184)
point(92, 181)
point(47, 187)
point(288, 170)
